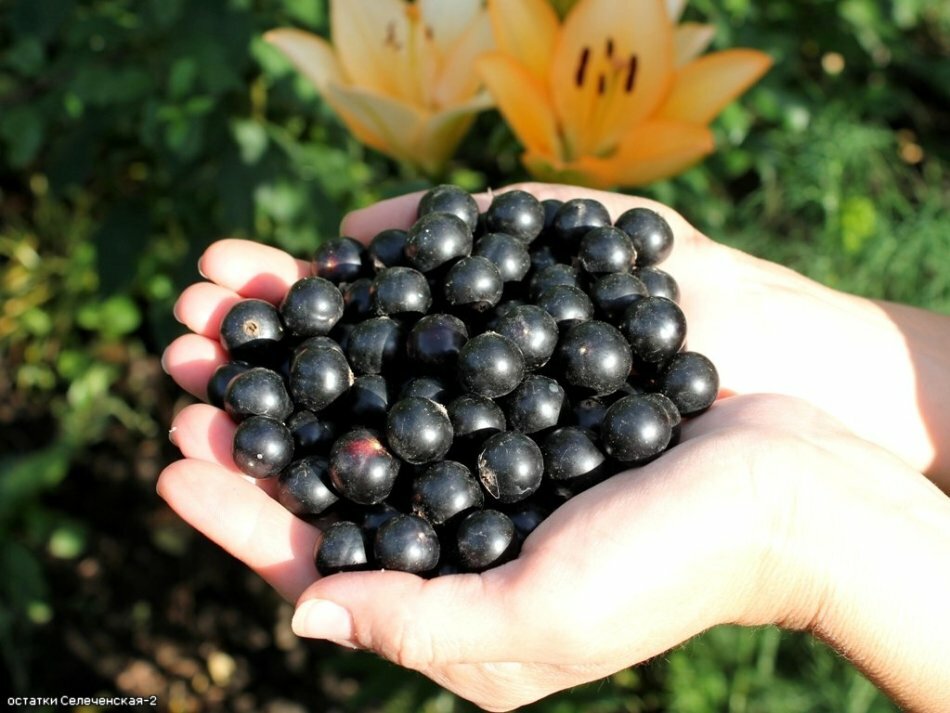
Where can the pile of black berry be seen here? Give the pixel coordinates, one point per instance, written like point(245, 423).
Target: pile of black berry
point(429, 399)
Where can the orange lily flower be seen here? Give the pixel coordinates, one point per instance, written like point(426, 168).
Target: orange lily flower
point(616, 93)
point(398, 74)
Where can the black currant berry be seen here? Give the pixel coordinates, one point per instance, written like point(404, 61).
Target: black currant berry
point(658, 283)
point(250, 329)
point(407, 543)
point(691, 382)
point(605, 250)
point(419, 430)
point(656, 330)
point(570, 453)
point(257, 392)
point(510, 466)
point(358, 300)
point(551, 207)
point(595, 357)
point(474, 418)
point(635, 429)
point(262, 447)
point(575, 218)
point(375, 345)
point(613, 294)
point(568, 305)
point(303, 487)
point(426, 387)
point(507, 253)
point(650, 234)
point(552, 276)
point(444, 490)
point(526, 517)
point(312, 434)
point(401, 291)
point(312, 307)
point(435, 341)
point(387, 248)
point(361, 469)
point(339, 260)
point(341, 549)
point(318, 342)
point(588, 414)
point(535, 405)
point(490, 365)
point(533, 331)
point(318, 377)
point(437, 238)
point(218, 383)
point(450, 199)
point(486, 538)
point(517, 213)
point(473, 284)
point(368, 400)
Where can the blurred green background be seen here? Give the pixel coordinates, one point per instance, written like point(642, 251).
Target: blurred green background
point(135, 132)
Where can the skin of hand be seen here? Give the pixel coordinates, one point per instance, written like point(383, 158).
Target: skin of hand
point(740, 523)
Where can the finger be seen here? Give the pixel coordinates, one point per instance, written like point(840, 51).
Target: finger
point(191, 360)
point(251, 269)
point(202, 306)
point(205, 433)
point(365, 223)
point(416, 622)
point(243, 520)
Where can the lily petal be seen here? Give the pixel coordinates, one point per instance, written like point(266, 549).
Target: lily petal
point(675, 8)
point(527, 30)
point(311, 55)
point(690, 39)
point(448, 20)
point(442, 132)
point(652, 151)
point(457, 81)
point(386, 124)
point(372, 39)
point(611, 69)
point(522, 100)
point(706, 85)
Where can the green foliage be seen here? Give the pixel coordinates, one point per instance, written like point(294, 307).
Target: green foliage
point(134, 132)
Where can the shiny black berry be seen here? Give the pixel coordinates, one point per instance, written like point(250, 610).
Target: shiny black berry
point(486, 538)
point(401, 291)
point(437, 238)
point(218, 383)
point(517, 213)
point(311, 307)
point(658, 283)
point(490, 365)
point(427, 387)
point(339, 260)
point(361, 469)
point(375, 345)
point(656, 330)
point(535, 405)
point(588, 414)
point(257, 392)
point(250, 329)
point(507, 253)
point(570, 453)
point(613, 294)
point(450, 199)
point(312, 434)
point(635, 428)
point(595, 357)
point(303, 487)
point(575, 218)
point(318, 377)
point(474, 418)
point(407, 543)
point(368, 400)
point(510, 466)
point(605, 250)
point(650, 233)
point(358, 300)
point(526, 517)
point(567, 305)
point(444, 490)
point(552, 276)
point(435, 341)
point(387, 248)
point(691, 382)
point(533, 331)
point(341, 549)
point(419, 430)
point(473, 284)
point(262, 447)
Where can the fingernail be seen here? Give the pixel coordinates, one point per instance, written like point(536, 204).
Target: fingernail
point(322, 619)
point(200, 268)
point(171, 435)
point(176, 315)
point(164, 364)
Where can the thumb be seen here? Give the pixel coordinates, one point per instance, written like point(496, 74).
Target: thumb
point(419, 623)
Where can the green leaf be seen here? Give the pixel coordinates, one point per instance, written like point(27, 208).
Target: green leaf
point(24, 477)
point(120, 243)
